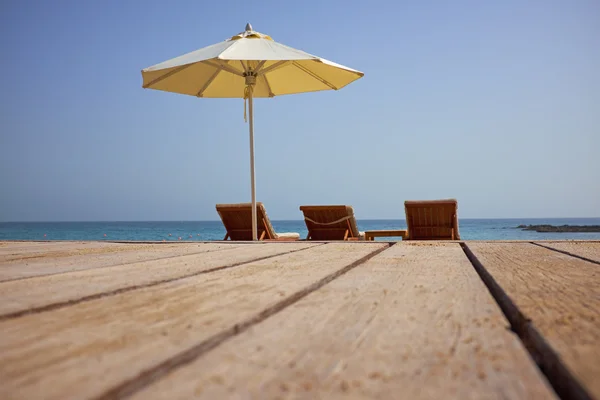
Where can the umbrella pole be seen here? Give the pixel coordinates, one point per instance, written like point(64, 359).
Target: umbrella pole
point(252, 176)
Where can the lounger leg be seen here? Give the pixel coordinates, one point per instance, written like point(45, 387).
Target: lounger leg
point(346, 235)
point(226, 236)
point(349, 229)
point(262, 235)
point(265, 227)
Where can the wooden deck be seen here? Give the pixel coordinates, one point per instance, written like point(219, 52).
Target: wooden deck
point(414, 320)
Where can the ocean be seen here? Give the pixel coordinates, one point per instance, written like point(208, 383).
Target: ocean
point(470, 229)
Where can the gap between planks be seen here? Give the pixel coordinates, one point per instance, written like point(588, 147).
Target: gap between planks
point(57, 305)
point(567, 253)
point(124, 251)
point(548, 361)
point(149, 376)
point(94, 346)
point(416, 321)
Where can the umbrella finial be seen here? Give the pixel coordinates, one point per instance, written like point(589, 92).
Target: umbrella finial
point(248, 27)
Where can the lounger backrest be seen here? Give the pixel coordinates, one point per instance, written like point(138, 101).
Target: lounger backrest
point(330, 222)
point(432, 219)
point(237, 219)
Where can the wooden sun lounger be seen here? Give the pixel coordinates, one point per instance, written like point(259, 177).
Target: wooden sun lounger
point(237, 219)
point(331, 222)
point(432, 219)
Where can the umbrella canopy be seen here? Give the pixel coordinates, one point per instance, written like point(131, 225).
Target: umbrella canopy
point(247, 65)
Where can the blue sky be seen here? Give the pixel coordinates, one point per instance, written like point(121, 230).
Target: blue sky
point(496, 104)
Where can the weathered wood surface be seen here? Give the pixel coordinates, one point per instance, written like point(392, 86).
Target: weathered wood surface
point(22, 295)
point(10, 250)
point(109, 346)
point(66, 258)
point(561, 296)
point(413, 322)
point(589, 250)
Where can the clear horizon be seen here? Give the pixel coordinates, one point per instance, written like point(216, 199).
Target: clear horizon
point(496, 104)
point(301, 220)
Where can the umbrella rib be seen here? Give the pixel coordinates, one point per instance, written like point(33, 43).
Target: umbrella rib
point(271, 94)
point(273, 67)
point(230, 68)
point(224, 66)
point(259, 66)
point(168, 74)
point(317, 77)
point(207, 84)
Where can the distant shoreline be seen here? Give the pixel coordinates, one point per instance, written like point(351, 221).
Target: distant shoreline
point(561, 228)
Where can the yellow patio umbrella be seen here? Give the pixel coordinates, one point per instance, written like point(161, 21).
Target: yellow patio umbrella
point(247, 65)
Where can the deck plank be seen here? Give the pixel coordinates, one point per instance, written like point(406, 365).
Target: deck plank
point(23, 265)
point(20, 296)
point(415, 320)
point(561, 296)
point(589, 250)
point(92, 347)
point(12, 250)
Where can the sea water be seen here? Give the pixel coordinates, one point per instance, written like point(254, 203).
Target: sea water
point(470, 229)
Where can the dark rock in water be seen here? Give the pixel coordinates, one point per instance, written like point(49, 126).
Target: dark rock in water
point(561, 228)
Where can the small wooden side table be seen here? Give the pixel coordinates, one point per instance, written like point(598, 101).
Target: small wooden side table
point(371, 235)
